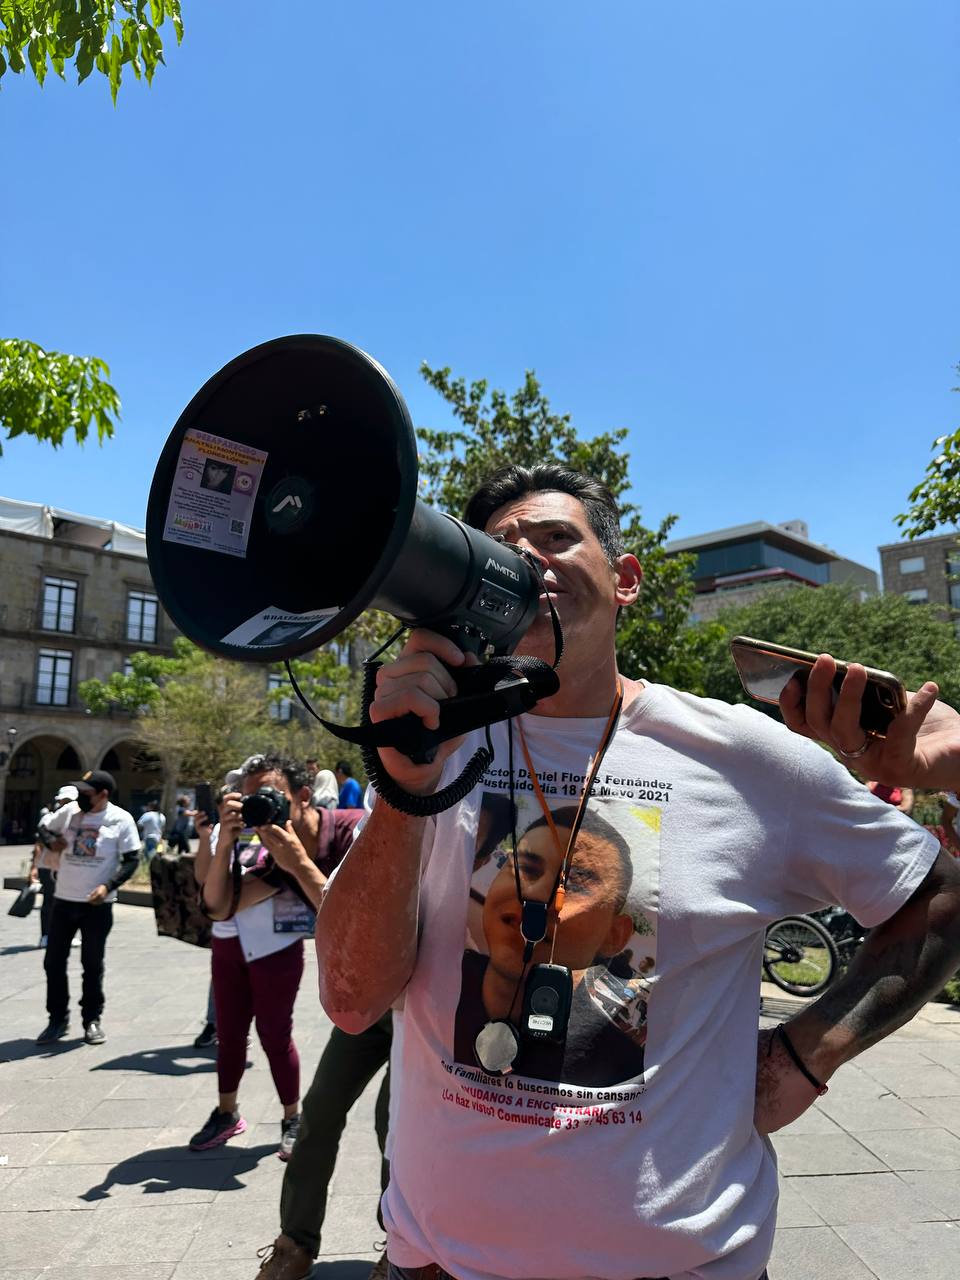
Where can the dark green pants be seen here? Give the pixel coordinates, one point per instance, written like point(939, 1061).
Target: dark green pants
point(347, 1066)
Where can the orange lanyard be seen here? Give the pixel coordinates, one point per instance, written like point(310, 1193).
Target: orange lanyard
point(593, 767)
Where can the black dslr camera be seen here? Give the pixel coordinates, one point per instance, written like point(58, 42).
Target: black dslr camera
point(265, 807)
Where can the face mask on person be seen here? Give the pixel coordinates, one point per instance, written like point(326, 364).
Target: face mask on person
point(85, 801)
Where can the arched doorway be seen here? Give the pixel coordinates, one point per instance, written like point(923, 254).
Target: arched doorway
point(138, 775)
point(37, 770)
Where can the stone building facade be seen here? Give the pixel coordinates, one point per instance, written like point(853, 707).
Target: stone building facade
point(925, 571)
point(77, 600)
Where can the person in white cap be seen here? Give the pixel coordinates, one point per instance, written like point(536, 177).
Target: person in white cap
point(44, 863)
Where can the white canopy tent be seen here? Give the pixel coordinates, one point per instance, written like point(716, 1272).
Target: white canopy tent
point(57, 523)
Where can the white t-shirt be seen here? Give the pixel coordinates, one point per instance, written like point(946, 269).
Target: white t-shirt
point(95, 844)
point(151, 823)
point(638, 1132)
point(268, 926)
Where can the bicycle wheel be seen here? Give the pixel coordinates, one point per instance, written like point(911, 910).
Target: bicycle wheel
point(800, 956)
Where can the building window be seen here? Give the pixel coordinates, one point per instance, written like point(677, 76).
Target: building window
point(59, 604)
point(915, 564)
point(24, 763)
point(54, 668)
point(917, 596)
point(142, 617)
point(955, 595)
point(280, 708)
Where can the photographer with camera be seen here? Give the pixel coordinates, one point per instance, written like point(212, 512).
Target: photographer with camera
point(261, 915)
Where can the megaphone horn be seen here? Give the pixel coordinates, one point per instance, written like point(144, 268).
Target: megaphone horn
point(285, 503)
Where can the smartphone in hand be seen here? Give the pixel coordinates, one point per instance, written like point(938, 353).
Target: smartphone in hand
point(205, 802)
point(765, 668)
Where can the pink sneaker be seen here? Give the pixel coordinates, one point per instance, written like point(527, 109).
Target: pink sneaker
point(220, 1128)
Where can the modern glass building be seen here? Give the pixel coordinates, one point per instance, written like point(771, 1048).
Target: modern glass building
point(732, 564)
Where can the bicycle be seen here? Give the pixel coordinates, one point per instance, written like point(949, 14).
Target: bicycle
point(800, 955)
point(846, 932)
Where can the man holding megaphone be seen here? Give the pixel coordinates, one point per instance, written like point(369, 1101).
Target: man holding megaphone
point(731, 821)
point(504, 707)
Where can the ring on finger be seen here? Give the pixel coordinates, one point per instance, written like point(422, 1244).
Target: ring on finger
point(860, 751)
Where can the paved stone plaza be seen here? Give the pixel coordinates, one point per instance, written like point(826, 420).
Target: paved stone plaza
point(96, 1182)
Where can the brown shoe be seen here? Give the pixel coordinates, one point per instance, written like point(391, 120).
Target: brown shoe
point(284, 1260)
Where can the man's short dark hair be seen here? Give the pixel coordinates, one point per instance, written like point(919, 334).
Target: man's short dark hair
point(593, 825)
point(343, 766)
point(295, 773)
point(512, 482)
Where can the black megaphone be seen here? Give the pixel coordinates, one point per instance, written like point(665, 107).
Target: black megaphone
point(285, 503)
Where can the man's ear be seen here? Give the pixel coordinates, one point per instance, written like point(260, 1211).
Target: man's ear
point(618, 936)
point(629, 576)
point(304, 794)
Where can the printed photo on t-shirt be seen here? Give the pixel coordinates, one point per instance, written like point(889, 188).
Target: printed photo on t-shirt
point(604, 933)
point(85, 844)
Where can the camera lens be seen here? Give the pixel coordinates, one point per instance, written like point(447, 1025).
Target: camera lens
point(257, 810)
point(544, 1000)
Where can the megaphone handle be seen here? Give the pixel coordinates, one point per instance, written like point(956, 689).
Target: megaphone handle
point(516, 691)
point(458, 715)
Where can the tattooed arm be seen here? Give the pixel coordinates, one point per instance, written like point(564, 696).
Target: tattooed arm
point(901, 964)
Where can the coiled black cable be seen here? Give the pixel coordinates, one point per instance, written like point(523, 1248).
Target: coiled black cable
point(392, 792)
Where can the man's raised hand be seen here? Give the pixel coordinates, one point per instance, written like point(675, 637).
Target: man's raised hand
point(231, 820)
point(283, 844)
point(922, 746)
point(417, 682)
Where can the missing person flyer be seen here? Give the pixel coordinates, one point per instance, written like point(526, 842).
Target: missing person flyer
point(211, 501)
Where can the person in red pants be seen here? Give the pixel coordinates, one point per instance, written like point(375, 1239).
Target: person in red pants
point(261, 917)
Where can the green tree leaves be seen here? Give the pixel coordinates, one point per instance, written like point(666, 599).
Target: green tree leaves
point(47, 394)
point(108, 35)
point(882, 631)
point(44, 393)
point(522, 428)
point(135, 692)
point(936, 499)
point(201, 715)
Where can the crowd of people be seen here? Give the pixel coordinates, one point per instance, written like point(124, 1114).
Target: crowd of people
point(564, 964)
point(87, 847)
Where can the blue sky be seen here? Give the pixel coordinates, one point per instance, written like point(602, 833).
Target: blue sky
point(728, 227)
